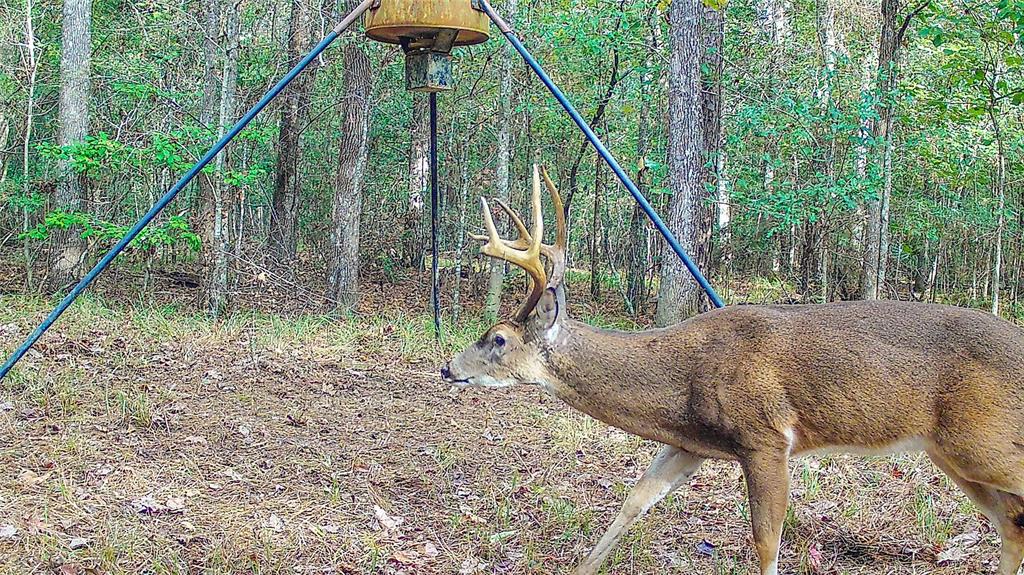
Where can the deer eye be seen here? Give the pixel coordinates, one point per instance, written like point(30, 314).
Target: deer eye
point(499, 341)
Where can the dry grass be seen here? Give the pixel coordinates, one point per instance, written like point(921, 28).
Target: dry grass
point(154, 442)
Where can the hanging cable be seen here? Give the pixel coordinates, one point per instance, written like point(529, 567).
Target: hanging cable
point(184, 181)
point(435, 275)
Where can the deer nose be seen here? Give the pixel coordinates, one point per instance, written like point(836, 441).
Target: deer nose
point(445, 372)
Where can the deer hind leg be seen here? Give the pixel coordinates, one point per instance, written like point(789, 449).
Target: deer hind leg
point(1004, 509)
point(767, 477)
point(670, 469)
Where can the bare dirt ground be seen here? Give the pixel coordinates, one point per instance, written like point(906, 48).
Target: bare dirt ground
point(149, 440)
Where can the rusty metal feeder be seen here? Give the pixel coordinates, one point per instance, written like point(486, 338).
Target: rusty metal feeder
point(427, 30)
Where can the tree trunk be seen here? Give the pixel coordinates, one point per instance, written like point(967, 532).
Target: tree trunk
point(287, 181)
point(713, 29)
point(218, 241)
point(876, 240)
point(502, 184)
point(460, 233)
point(689, 214)
point(636, 268)
point(774, 24)
point(1000, 190)
point(596, 230)
point(348, 195)
point(208, 117)
point(814, 264)
point(67, 251)
point(33, 68)
point(419, 181)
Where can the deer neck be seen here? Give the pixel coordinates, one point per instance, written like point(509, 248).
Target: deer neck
point(622, 379)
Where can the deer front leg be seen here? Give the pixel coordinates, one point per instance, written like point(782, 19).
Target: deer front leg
point(767, 477)
point(669, 470)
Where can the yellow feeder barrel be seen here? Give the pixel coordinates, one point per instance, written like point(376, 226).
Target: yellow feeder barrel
point(402, 21)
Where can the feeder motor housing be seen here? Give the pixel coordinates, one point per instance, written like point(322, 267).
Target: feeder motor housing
point(427, 30)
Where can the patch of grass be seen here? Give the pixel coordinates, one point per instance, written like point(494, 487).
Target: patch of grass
point(563, 515)
point(572, 431)
point(130, 406)
point(936, 528)
point(810, 479)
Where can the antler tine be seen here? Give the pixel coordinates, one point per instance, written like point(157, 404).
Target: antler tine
point(523, 242)
point(556, 253)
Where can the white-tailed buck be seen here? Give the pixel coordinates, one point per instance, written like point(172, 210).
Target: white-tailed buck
point(761, 384)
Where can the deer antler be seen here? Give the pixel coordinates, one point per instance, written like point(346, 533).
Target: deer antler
point(525, 251)
point(527, 258)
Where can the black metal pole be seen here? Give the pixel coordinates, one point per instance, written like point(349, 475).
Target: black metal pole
point(435, 292)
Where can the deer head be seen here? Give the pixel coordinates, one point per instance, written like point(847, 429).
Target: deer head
point(510, 351)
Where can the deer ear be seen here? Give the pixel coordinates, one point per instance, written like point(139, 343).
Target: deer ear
point(548, 308)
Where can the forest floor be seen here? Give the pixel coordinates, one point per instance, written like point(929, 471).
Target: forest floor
point(146, 439)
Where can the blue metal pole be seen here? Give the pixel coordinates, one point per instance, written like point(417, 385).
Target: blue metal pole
point(601, 149)
point(184, 181)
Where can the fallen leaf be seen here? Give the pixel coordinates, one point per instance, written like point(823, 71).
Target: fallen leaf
point(77, 543)
point(175, 505)
point(104, 470)
point(70, 569)
point(29, 478)
point(387, 522)
point(499, 537)
point(34, 524)
point(430, 550)
point(274, 522)
point(406, 556)
point(956, 547)
point(814, 558)
point(147, 505)
point(706, 548)
point(951, 555)
point(8, 531)
point(332, 529)
point(471, 565)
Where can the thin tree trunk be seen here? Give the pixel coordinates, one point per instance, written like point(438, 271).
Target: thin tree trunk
point(876, 240)
point(713, 30)
point(26, 190)
point(596, 230)
point(689, 214)
point(208, 116)
point(419, 181)
point(460, 247)
point(815, 260)
point(287, 181)
point(774, 23)
point(1000, 190)
point(219, 241)
point(504, 161)
point(348, 195)
point(67, 251)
